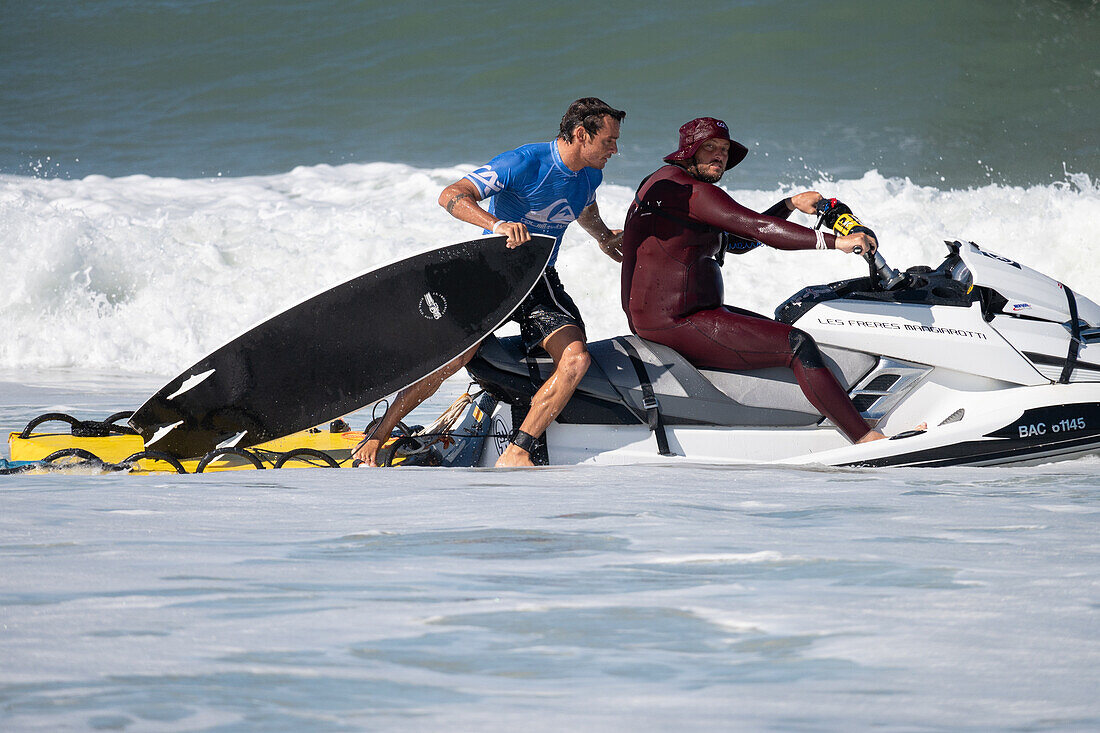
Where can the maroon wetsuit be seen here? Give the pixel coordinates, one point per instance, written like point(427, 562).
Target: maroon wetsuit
point(672, 287)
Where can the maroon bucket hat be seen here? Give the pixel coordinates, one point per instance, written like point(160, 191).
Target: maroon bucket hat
point(698, 131)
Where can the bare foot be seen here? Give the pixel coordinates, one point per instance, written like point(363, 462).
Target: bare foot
point(873, 435)
point(514, 456)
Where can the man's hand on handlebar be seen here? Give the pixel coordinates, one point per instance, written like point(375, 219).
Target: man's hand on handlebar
point(857, 242)
point(805, 202)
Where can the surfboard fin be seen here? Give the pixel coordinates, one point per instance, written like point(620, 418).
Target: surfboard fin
point(162, 431)
point(232, 441)
point(190, 383)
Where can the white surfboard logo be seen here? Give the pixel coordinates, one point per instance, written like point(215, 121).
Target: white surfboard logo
point(433, 306)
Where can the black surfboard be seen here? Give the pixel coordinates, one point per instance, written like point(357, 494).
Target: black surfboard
point(344, 348)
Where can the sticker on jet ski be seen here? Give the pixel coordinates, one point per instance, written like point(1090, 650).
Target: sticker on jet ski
point(1048, 422)
point(1038, 432)
point(999, 258)
point(858, 323)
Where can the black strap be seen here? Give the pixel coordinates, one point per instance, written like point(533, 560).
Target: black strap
point(649, 400)
point(536, 448)
point(1074, 338)
point(533, 370)
point(540, 456)
point(525, 441)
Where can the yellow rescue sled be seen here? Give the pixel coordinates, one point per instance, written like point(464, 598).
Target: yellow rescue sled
point(105, 446)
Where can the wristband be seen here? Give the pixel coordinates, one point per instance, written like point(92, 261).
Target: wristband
point(498, 223)
point(820, 239)
point(524, 441)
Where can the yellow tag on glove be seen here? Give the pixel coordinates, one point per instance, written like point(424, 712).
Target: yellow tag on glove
point(845, 223)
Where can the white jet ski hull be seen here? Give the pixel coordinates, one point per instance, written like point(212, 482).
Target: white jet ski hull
point(1023, 436)
point(999, 361)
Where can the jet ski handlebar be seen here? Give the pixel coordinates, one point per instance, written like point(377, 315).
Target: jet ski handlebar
point(838, 217)
point(888, 277)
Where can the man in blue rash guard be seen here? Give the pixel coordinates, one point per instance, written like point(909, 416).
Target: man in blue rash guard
point(541, 188)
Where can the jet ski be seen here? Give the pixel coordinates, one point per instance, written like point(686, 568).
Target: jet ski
point(1001, 362)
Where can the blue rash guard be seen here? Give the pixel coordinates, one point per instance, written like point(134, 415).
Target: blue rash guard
point(532, 185)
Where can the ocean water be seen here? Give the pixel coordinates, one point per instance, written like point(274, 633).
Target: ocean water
point(549, 599)
point(173, 172)
point(936, 91)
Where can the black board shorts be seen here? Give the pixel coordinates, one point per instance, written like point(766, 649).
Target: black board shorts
point(546, 309)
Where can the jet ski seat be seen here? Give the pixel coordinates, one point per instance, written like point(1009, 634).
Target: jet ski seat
point(611, 394)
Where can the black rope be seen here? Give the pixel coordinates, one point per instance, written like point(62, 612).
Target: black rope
point(87, 460)
point(300, 454)
point(153, 455)
point(219, 452)
point(81, 428)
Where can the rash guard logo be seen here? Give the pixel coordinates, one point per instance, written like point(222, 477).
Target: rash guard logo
point(559, 212)
point(487, 180)
point(433, 306)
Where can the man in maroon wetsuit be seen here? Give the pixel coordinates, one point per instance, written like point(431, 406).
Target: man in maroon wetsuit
point(672, 283)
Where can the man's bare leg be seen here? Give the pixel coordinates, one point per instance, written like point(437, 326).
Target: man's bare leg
point(567, 348)
point(405, 402)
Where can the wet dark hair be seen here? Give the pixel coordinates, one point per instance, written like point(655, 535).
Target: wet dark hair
point(589, 113)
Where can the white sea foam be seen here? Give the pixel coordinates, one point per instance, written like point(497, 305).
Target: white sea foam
point(147, 275)
point(769, 557)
